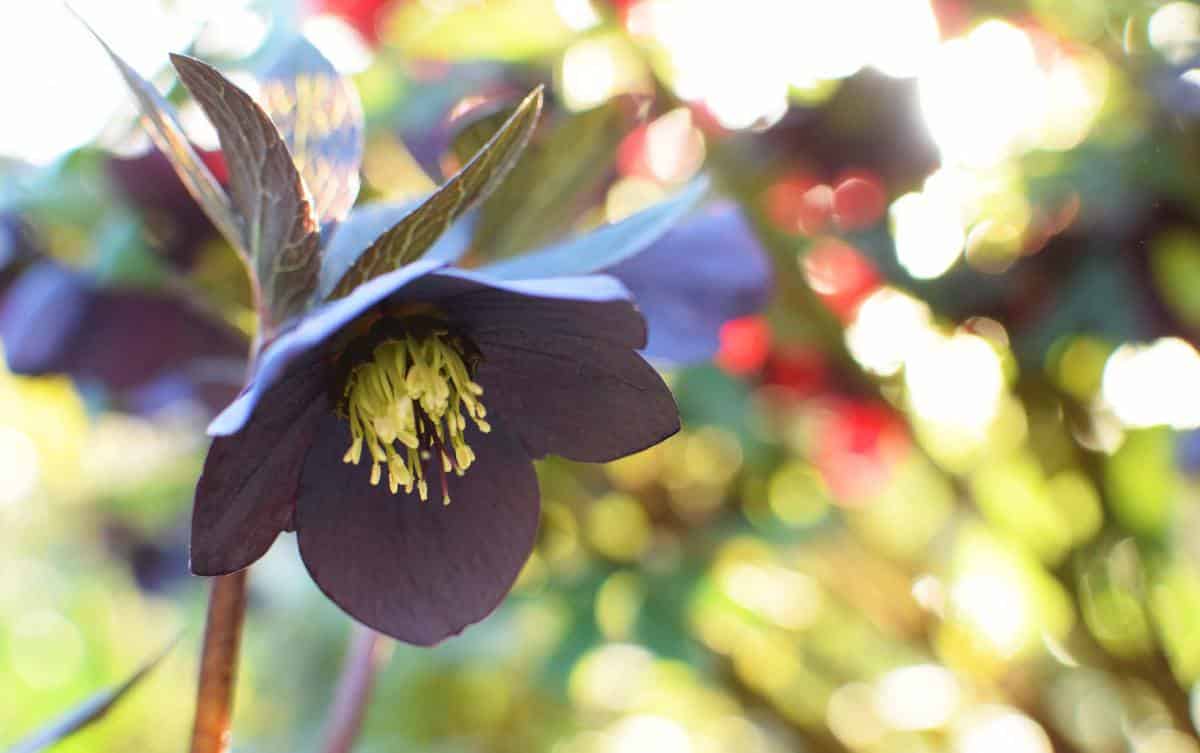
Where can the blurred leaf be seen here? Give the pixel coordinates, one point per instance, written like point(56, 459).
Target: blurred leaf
point(279, 229)
point(160, 122)
point(320, 118)
point(606, 246)
point(417, 232)
point(541, 198)
point(91, 710)
point(1143, 483)
point(496, 30)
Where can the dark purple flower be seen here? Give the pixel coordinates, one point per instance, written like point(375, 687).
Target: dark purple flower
point(395, 403)
point(147, 350)
point(396, 376)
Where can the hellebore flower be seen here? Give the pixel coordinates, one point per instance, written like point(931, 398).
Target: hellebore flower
point(395, 403)
point(446, 384)
point(147, 350)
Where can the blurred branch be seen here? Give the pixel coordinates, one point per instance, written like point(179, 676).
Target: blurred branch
point(218, 663)
point(367, 652)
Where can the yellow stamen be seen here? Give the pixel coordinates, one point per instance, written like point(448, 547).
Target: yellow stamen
point(405, 407)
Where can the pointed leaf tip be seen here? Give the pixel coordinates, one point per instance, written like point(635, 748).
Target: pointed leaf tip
point(279, 227)
point(161, 123)
point(410, 238)
point(91, 710)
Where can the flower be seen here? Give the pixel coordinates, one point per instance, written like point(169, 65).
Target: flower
point(147, 350)
point(395, 403)
point(448, 384)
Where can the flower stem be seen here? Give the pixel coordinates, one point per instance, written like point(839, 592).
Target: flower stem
point(366, 654)
point(218, 663)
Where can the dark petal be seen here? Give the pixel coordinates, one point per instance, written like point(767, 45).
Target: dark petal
point(604, 247)
point(247, 491)
point(56, 321)
point(417, 571)
point(582, 398)
point(595, 306)
point(302, 344)
point(358, 231)
point(559, 361)
point(40, 319)
point(131, 338)
point(705, 272)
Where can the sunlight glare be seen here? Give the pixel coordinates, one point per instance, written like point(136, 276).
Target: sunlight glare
point(928, 235)
point(1154, 384)
point(983, 95)
point(956, 384)
point(64, 85)
point(18, 465)
point(922, 696)
point(887, 326)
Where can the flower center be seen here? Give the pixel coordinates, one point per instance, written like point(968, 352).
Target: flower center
point(406, 406)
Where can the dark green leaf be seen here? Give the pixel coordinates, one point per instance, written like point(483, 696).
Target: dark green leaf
point(558, 174)
point(605, 246)
point(279, 228)
point(160, 122)
point(318, 113)
point(417, 232)
point(89, 711)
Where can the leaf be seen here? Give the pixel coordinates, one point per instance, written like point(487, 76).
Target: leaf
point(558, 173)
point(604, 247)
point(477, 127)
point(91, 710)
point(320, 118)
point(159, 120)
point(366, 223)
point(280, 231)
point(417, 232)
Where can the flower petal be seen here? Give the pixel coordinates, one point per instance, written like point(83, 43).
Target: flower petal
point(583, 398)
point(706, 271)
point(295, 347)
point(57, 321)
point(246, 493)
point(559, 361)
point(417, 571)
point(604, 247)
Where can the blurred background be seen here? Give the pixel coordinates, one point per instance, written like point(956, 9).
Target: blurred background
point(943, 495)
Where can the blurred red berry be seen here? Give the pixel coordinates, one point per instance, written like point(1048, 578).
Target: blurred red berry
point(744, 345)
point(800, 370)
point(856, 446)
point(800, 204)
point(840, 275)
point(365, 16)
point(859, 201)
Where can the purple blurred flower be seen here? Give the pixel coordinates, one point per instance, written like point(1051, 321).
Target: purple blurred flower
point(147, 350)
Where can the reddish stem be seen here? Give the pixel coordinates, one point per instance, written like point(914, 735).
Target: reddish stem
point(218, 663)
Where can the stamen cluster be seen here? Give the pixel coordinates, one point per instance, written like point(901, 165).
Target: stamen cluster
point(406, 407)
